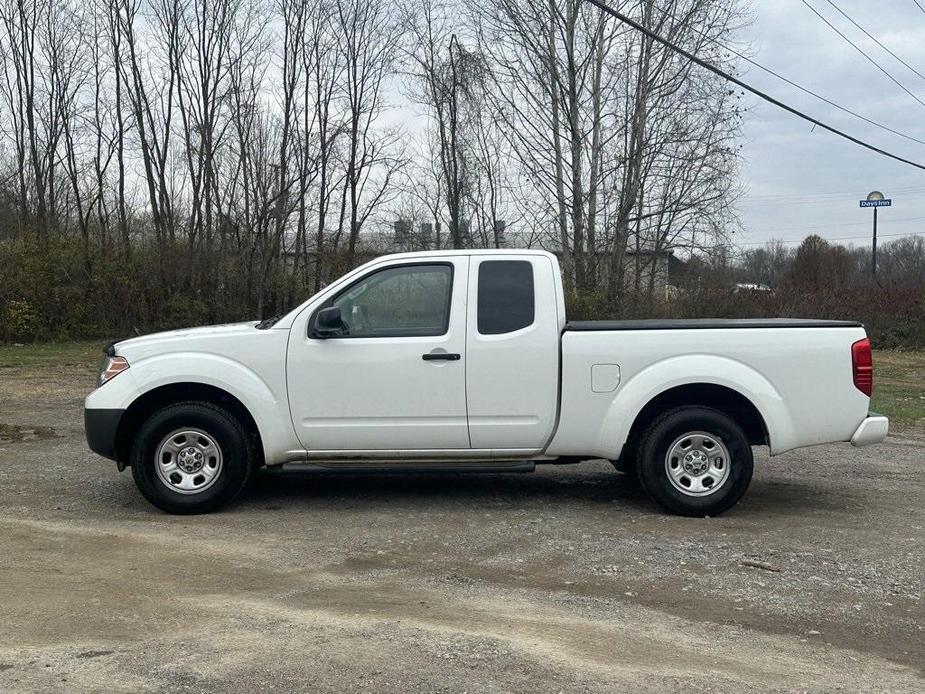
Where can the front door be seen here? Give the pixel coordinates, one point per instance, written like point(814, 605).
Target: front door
point(394, 378)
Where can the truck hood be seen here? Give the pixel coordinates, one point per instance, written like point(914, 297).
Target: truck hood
point(205, 338)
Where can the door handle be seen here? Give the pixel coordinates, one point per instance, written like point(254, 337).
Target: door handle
point(440, 356)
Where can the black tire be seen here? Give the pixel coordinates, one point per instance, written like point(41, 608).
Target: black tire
point(661, 435)
point(236, 449)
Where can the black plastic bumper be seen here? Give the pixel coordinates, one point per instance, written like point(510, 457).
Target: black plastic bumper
point(100, 427)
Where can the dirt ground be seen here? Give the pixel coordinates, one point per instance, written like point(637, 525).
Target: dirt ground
point(567, 580)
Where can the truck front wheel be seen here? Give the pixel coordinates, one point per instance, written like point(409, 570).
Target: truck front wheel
point(695, 461)
point(191, 457)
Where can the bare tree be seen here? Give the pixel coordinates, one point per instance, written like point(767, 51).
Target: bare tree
point(368, 32)
point(449, 80)
point(588, 107)
point(551, 91)
point(151, 90)
point(238, 153)
point(322, 130)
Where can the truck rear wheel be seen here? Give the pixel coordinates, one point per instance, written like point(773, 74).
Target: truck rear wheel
point(192, 457)
point(695, 461)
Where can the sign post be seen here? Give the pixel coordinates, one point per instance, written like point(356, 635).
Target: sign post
point(875, 200)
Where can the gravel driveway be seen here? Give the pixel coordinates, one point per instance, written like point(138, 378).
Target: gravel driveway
point(564, 580)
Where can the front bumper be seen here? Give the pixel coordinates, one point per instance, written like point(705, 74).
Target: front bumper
point(874, 429)
point(100, 427)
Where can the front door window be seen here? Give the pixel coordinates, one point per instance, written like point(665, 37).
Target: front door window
point(403, 301)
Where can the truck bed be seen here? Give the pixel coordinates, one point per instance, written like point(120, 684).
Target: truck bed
point(797, 373)
point(705, 324)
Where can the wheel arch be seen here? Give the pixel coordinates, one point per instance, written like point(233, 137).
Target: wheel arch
point(722, 398)
point(157, 398)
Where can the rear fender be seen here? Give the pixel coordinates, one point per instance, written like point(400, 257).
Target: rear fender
point(662, 376)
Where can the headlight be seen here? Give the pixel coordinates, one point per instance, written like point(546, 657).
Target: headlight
point(110, 368)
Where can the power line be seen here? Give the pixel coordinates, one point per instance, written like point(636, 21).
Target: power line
point(839, 238)
point(863, 52)
point(874, 38)
point(830, 194)
point(802, 204)
point(819, 199)
point(806, 90)
point(757, 92)
point(842, 224)
point(828, 101)
point(919, 5)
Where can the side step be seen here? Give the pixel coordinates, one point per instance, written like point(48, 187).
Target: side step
point(380, 468)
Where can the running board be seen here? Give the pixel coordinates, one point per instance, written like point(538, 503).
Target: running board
point(378, 467)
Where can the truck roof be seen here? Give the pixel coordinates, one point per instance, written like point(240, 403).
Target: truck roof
point(470, 251)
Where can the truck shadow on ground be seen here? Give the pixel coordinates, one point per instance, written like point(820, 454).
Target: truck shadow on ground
point(448, 488)
point(597, 487)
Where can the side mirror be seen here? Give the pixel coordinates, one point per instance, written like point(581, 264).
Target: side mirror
point(328, 323)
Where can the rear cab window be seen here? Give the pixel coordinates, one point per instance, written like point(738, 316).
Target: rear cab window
point(506, 296)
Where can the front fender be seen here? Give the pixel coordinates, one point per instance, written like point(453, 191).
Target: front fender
point(670, 373)
point(270, 413)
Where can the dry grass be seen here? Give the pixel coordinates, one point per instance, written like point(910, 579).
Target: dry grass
point(899, 389)
point(51, 355)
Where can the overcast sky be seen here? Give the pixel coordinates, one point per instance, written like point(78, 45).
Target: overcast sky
point(798, 181)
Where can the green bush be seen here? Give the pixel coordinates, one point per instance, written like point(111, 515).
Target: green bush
point(184, 311)
point(893, 316)
point(19, 320)
point(48, 291)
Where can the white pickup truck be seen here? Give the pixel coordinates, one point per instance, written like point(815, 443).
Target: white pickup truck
point(464, 361)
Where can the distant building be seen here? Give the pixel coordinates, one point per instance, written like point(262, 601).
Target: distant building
point(402, 228)
point(501, 233)
point(426, 234)
point(751, 288)
point(654, 268)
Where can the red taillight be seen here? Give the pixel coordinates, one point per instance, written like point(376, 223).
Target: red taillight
point(862, 366)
